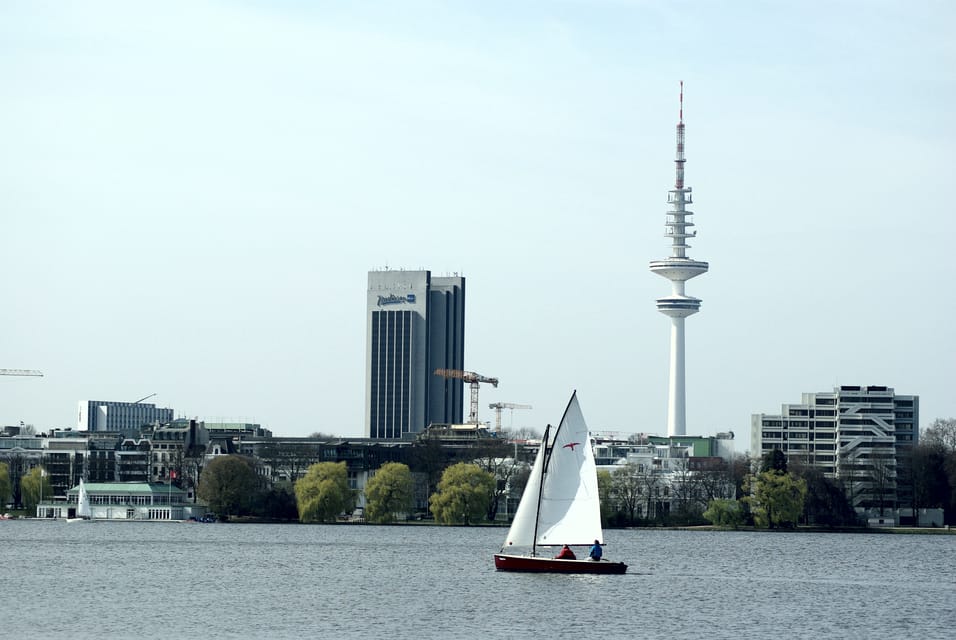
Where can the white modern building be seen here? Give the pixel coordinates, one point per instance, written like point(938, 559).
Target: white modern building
point(678, 268)
point(858, 435)
point(101, 415)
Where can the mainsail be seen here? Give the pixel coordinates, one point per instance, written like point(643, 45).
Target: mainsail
point(83, 502)
point(570, 508)
point(560, 504)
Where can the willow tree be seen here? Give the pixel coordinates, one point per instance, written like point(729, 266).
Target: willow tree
point(34, 488)
point(463, 495)
point(323, 493)
point(6, 488)
point(389, 492)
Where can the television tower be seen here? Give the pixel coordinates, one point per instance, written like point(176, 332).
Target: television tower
point(678, 268)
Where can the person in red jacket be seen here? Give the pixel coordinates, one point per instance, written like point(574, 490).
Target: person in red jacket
point(566, 554)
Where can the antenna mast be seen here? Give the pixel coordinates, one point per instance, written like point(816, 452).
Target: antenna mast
point(679, 161)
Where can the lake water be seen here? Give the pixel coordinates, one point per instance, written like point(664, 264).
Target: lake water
point(177, 580)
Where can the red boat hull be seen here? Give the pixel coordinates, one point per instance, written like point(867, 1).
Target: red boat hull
point(552, 565)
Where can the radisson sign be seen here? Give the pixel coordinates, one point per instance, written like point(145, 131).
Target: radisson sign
point(394, 299)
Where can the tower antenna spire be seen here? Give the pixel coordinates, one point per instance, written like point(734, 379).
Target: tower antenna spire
point(679, 160)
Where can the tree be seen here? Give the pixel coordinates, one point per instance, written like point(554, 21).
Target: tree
point(627, 485)
point(493, 457)
point(826, 502)
point(389, 492)
point(289, 460)
point(930, 483)
point(685, 489)
point(228, 485)
point(6, 488)
point(464, 493)
point(941, 432)
point(323, 493)
point(774, 460)
point(605, 483)
point(777, 499)
point(881, 477)
point(741, 466)
point(276, 503)
point(724, 513)
point(34, 487)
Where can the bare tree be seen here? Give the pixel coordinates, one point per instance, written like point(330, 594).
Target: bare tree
point(881, 477)
point(941, 432)
point(626, 490)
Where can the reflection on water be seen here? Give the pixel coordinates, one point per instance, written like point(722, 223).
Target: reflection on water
point(162, 580)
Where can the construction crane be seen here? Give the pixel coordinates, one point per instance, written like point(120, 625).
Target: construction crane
point(472, 379)
point(498, 406)
point(19, 372)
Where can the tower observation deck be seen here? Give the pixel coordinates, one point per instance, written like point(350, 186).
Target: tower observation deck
point(678, 268)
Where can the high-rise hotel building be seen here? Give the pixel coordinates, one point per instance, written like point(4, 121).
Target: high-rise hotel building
point(859, 435)
point(416, 324)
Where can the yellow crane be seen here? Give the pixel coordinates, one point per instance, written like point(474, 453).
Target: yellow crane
point(472, 379)
point(19, 372)
point(498, 406)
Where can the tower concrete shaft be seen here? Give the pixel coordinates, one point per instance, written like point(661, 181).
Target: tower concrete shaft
point(678, 268)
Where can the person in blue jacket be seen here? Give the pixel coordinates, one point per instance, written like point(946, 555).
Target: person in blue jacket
point(596, 551)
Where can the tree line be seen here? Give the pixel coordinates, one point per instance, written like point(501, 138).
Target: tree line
point(229, 483)
point(771, 492)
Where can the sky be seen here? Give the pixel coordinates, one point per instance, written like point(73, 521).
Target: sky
point(192, 194)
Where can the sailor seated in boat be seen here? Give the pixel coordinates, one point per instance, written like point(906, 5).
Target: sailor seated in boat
point(566, 554)
point(596, 551)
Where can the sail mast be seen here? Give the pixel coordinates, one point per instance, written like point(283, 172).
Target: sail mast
point(537, 510)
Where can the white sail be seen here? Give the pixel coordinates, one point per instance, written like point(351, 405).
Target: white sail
point(569, 511)
point(83, 502)
point(521, 533)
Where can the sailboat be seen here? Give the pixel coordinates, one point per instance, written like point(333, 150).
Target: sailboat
point(82, 505)
point(560, 504)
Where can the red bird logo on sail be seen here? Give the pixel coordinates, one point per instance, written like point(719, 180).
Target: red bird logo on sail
point(571, 445)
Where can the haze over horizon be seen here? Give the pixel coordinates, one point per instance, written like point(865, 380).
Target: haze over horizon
point(192, 195)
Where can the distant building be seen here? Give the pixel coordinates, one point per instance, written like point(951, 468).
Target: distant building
point(125, 417)
point(858, 435)
point(237, 430)
point(125, 501)
point(415, 325)
point(668, 471)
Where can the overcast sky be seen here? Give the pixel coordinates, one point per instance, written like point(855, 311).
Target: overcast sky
point(192, 194)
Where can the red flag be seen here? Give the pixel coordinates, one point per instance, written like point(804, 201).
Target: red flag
point(172, 474)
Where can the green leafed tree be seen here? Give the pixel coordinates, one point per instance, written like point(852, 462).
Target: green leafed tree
point(323, 493)
point(724, 513)
point(464, 493)
point(389, 493)
point(776, 499)
point(6, 487)
point(228, 485)
point(34, 487)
